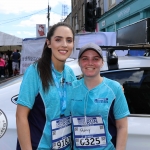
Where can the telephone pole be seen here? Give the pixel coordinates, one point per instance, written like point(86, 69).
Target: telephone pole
point(48, 15)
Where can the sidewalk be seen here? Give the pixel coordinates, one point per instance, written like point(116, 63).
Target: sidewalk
point(4, 78)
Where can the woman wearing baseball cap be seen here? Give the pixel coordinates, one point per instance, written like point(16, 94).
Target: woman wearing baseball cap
point(98, 106)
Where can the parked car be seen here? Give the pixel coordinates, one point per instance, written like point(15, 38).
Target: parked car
point(133, 73)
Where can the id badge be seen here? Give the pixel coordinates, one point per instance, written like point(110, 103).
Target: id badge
point(61, 133)
point(89, 132)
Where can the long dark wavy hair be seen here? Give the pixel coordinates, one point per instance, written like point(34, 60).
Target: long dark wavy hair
point(44, 63)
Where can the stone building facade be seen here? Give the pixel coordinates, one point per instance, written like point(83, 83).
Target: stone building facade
point(77, 17)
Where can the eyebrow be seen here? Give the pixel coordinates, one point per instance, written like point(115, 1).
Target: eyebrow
point(93, 56)
point(62, 37)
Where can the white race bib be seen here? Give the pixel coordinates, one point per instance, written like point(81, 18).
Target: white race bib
point(89, 132)
point(61, 133)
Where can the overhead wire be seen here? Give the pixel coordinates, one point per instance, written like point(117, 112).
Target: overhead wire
point(15, 19)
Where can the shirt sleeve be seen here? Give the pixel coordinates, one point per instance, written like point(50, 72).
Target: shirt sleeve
point(71, 73)
point(121, 109)
point(29, 87)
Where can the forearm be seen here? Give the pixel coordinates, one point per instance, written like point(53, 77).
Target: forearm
point(23, 132)
point(23, 129)
point(121, 138)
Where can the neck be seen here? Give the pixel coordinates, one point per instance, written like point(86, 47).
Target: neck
point(91, 82)
point(59, 65)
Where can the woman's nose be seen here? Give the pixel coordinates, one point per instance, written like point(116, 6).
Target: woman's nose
point(90, 62)
point(64, 43)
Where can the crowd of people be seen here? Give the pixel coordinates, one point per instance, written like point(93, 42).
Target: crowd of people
point(9, 63)
point(56, 111)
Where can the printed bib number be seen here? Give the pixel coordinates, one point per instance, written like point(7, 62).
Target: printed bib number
point(93, 141)
point(89, 132)
point(62, 143)
point(61, 133)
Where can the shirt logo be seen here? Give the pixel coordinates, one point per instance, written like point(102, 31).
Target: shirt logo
point(101, 100)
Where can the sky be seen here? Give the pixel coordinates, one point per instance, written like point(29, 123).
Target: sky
point(19, 17)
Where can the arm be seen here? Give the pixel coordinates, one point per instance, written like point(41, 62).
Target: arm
point(23, 130)
point(28, 90)
point(122, 132)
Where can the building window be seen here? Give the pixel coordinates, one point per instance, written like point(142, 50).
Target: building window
point(73, 22)
point(99, 3)
point(73, 2)
point(79, 18)
point(112, 3)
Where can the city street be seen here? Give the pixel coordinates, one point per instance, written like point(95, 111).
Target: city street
point(75, 74)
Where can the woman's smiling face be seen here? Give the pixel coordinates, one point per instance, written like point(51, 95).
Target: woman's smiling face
point(61, 43)
point(90, 63)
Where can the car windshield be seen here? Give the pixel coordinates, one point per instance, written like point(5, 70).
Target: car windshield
point(136, 84)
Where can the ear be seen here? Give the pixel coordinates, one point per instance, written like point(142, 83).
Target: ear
point(48, 43)
point(102, 64)
point(79, 62)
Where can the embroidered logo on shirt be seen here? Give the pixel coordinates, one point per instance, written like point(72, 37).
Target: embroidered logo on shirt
point(101, 100)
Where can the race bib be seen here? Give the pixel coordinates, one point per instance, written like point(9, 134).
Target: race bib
point(89, 132)
point(61, 133)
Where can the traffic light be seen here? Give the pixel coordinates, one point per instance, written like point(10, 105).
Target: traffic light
point(90, 16)
point(98, 12)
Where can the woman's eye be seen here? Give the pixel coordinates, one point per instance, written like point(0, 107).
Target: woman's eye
point(84, 58)
point(69, 41)
point(96, 58)
point(57, 40)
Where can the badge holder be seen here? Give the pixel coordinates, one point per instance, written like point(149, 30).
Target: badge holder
point(61, 133)
point(89, 132)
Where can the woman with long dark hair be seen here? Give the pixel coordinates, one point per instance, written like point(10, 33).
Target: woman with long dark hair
point(42, 120)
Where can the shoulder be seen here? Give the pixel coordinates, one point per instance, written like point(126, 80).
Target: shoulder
point(77, 83)
point(31, 75)
point(112, 84)
point(69, 72)
point(32, 69)
point(67, 68)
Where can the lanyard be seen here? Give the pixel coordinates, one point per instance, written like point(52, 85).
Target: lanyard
point(61, 90)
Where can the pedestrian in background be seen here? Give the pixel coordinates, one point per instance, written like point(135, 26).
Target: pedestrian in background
point(20, 56)
point(6, 58)
point(2, 66)
point(98, 106)
point(41, 117)
point(15, 61)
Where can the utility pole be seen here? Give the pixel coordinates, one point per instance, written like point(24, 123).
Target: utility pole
point(48, 15)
